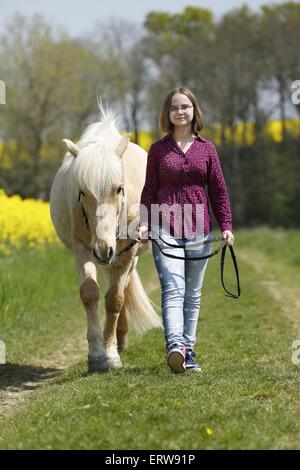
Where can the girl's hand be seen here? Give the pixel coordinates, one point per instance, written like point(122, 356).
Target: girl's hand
point(229, 237)
point(142, 234)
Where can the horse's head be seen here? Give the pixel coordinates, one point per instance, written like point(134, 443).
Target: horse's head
point(98, 172)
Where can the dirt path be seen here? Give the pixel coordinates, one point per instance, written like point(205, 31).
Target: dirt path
point(23, 380)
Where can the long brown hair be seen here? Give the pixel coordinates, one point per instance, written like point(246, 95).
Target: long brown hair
point(164, 119)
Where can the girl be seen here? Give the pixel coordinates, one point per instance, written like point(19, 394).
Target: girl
point(179, 167)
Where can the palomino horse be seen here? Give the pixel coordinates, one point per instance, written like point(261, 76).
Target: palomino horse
point(96, 188)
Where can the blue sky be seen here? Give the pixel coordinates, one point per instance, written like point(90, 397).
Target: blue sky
point(79, 17)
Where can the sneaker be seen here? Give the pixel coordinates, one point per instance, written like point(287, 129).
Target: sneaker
point(176, 358)
point(190, 363)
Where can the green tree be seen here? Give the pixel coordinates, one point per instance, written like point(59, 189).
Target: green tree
point(280, 34)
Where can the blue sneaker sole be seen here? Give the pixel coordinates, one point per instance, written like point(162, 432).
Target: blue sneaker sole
point(175, 361)
point(194, 368)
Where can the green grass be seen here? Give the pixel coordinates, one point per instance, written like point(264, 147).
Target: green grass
point(278, 244)
point(247, 393)
point(39, 302)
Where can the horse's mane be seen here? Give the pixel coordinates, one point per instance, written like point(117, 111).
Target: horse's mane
point(96, 166)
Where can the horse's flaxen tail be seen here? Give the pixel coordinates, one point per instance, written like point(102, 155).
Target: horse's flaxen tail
point(139, 309)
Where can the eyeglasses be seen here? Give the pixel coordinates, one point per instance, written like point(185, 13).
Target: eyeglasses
point(184, 108)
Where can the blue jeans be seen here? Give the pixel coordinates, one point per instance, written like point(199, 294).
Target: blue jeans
point(181, 282)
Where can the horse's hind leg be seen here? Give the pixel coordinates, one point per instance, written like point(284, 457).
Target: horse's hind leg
point(122, 329)
point(115, 313)
point(114, 300)
point(122, 326)
point(90, 293)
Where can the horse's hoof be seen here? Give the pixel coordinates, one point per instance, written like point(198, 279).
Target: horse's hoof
point(115, 362)
point(97, 364)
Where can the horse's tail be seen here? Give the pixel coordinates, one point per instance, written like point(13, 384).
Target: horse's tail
point(139, 308)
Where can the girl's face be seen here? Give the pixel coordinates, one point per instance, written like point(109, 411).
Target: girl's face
point(181, 111)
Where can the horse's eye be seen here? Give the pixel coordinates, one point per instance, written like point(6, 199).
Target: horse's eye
point(120, 188)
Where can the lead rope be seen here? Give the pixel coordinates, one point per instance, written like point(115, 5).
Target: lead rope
point(233, 257)
point(222, 246)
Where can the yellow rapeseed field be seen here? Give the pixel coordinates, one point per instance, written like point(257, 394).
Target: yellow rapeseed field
point(24, 223)
point(272, 129)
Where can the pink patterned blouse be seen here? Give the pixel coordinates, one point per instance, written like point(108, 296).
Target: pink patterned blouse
point(175, 178)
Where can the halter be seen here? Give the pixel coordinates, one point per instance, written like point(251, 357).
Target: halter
point(120, 216)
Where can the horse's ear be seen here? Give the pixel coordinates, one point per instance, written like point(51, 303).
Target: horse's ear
point(73, 148)
point(123, 144)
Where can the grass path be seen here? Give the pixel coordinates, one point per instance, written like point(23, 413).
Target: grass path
point(248, 393)
point(281, 284)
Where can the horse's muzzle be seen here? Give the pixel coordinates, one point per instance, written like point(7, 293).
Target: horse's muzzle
point(108, 259)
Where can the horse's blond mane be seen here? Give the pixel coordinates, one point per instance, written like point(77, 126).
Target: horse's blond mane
point(97, 167)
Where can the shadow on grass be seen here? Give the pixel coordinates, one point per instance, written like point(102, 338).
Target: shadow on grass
point(79, 371)
point(23, 376)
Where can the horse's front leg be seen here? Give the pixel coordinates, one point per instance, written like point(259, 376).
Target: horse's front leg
point(115, 311)
point(90, 294)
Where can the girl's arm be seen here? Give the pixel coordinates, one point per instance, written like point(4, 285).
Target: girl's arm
point(217, 192)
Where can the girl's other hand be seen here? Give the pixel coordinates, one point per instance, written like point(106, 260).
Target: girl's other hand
point(229, 237)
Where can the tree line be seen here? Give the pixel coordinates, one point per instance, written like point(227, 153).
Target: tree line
point(241, 68)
